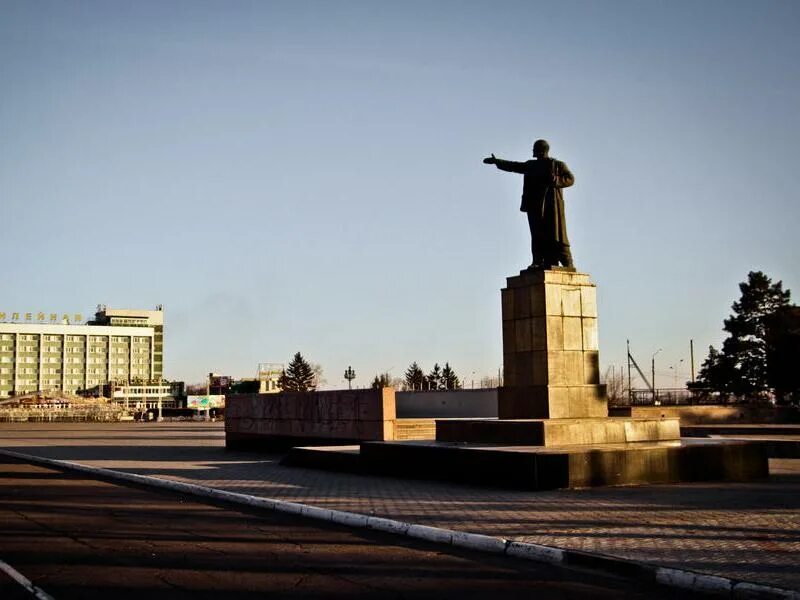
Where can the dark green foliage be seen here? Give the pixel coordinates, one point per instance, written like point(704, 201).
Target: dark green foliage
point(449, 378)
point(716, 372)
point(298, 376)
point(414, 377)
point(740, 367)
point(434, 379)
point(783, 353)
point(437, 379)
point(381, 381)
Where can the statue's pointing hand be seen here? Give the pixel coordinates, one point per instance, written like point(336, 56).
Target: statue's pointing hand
point(490, 160)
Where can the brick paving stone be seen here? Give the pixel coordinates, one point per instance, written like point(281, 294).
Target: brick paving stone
point(748, 531)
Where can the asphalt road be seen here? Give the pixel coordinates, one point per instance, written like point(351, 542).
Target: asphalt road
point(83, 538)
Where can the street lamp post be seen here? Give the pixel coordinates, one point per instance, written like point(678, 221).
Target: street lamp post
point(675, 372)
point(653, 372)
point(349, 374)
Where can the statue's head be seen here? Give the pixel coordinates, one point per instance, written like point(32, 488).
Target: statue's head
point(541, 148)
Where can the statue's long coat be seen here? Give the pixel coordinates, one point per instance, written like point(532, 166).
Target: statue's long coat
point(542, 195)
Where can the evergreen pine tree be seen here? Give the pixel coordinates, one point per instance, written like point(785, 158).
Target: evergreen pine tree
point(741, 365)
point(381, 381)
point(715, 373)
point(298, 376)
point(434, 378)
point(450, 380)
point(414, 377)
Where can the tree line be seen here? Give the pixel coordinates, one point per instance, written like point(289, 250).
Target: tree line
point(439, 378)
point(415, 379)
point(302, 376)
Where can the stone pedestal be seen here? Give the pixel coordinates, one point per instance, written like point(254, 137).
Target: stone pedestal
point(552, 394)
point(550, 353)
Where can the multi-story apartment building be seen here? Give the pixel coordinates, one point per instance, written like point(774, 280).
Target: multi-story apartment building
point(119, 345)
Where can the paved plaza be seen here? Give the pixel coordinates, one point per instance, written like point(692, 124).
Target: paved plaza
point(745, 531)
point(76, 537)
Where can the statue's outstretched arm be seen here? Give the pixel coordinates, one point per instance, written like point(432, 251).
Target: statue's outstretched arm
point(505, 165)
point(510, 165)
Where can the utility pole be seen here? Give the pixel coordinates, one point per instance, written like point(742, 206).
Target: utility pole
point(208, 396)
point(653, 372)
point(691, 356)
point(630, 391)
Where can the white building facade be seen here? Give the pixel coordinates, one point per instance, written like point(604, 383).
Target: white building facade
point(63, 357)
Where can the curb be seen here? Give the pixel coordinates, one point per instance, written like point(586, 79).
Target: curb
point(26, 583)
point(632, 569)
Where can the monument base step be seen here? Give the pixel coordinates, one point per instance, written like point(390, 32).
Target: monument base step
point(541, 468)
point(415, 429)
point(557, 432)
point(327, 458)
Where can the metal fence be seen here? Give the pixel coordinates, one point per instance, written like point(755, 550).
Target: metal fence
point(672, 397)
point(18, 415)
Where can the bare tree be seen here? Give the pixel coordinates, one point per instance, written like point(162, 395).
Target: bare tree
point(615, 385)
point(488, 382)
point(318, 377)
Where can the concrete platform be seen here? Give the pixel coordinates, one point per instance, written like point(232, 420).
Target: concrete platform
point(760, 429)
point(781, 441)
point(345, 459)
point(543, 468)
point(557, 432)
point(744, 531)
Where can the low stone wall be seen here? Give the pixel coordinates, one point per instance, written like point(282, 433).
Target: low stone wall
point(444, 404)
point(277, 421)
point(710, 414)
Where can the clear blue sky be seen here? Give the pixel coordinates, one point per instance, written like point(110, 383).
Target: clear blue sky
point(288, 176)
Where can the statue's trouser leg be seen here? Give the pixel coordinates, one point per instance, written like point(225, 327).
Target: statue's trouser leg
point(538, 250)
point(564, 255)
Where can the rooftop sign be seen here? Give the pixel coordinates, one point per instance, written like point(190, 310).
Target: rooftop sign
point(41, 317)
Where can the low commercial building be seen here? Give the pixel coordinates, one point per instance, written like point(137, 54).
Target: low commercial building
point(142, 397)
point(269, 377)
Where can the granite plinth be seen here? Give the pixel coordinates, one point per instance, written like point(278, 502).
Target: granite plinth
point(552, 401)
point(557, 432)
point(542, 468)
point(550, 350)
